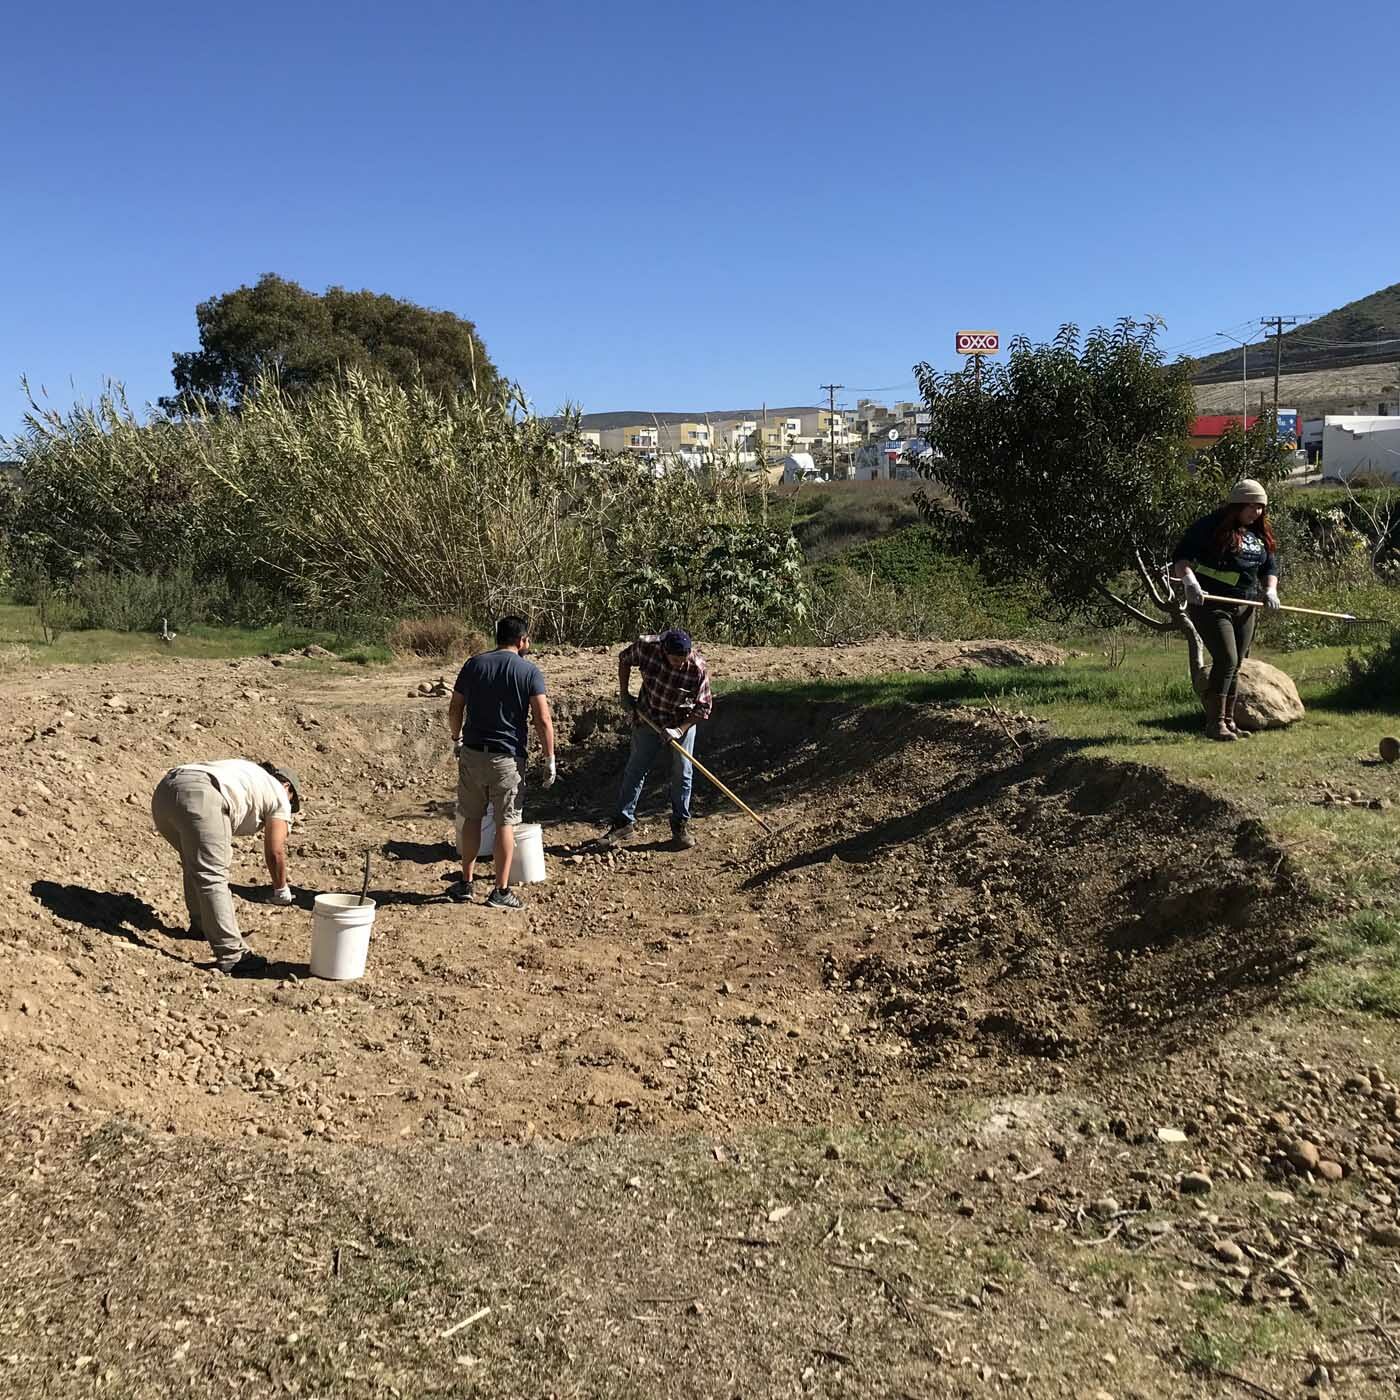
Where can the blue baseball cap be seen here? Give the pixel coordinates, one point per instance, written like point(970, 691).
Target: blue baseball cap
point(676, 642)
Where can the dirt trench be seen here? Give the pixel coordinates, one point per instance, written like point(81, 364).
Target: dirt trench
point(947, 902)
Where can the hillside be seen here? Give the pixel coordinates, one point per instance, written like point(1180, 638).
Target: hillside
point(1314, 393)
point(1353, 334)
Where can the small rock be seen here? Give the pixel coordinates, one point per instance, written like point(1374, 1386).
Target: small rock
point(987, 1174)
point(1303, 1155)
point(1105, 1208)
point(1387, 1236)
point(1279, 1198)
point(1196, 1184)
point(1228, 1252)
point(1171, 1135)
point(833, 1153)
point(1319, 1379)
point(1330, 1171)
point(1042, 1205)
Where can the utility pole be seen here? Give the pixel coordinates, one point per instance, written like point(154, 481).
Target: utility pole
point(831, 420)
point(1244, 376)
point(1278, 323)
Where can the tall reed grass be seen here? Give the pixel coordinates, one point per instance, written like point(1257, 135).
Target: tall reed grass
point(369, 496)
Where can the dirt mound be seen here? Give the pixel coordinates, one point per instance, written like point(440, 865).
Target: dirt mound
point(943, 900)
point(1016, 896)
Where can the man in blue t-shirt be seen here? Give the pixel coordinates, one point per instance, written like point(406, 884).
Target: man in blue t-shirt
point(489, 719)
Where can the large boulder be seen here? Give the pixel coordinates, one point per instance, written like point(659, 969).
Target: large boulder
point(1268, 699)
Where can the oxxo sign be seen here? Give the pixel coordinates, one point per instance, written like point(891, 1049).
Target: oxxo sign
point(977, 342)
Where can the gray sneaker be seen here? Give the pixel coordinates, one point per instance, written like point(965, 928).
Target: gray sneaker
point(502, 899)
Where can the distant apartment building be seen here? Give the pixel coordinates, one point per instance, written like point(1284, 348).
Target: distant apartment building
point(641, 438)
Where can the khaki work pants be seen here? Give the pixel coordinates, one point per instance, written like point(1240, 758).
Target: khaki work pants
point(188, 810)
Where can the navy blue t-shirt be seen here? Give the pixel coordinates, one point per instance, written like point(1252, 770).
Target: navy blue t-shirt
point(497, 686)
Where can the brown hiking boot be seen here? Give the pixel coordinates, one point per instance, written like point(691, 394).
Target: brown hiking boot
point(682, 835)
point(1230, 717)
point(1216, 728)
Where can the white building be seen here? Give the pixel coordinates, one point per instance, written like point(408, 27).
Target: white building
point(1361, 446)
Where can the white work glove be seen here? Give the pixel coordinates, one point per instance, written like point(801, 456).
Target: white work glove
point(1271, 599)
point(283, 895)
point(675, 733)
point(1195, 594)
point(456, 748)
point(551, 772)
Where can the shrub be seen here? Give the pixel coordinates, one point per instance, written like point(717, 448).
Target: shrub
point(741, 583)
point(1373, 676)
point(440, 638)
point(137, 602)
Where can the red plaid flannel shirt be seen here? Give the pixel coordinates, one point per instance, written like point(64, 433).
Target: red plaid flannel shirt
point(671, 695)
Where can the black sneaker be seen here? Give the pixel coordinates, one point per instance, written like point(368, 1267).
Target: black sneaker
point(617, 833)
point(459, 892)
point(249, 965)
point(502, 899)
point(681, 835)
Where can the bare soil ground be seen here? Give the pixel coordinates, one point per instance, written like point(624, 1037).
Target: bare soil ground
point(869, 1108)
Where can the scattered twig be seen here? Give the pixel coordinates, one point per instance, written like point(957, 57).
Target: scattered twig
point(465, 1322)
point(1000, 716)
point(1030, 1175)
point(1244, 1381)
point(1094, 1244)
point(895, 1294)
point(751, 1240)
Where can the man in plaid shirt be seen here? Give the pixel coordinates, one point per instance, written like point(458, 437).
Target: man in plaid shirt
point(676, 695)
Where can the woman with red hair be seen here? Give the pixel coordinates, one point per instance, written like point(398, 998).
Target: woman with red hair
point(1229, 553)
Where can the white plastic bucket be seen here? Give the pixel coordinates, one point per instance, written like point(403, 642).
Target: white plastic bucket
point(528, 866)
point(488, 832)
point(340, 927)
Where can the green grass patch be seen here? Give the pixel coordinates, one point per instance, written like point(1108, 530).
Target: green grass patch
point(22, 643)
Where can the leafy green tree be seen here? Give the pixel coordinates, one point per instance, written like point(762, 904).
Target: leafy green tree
point(1241, 452)
point(1067, 467)
point(305, 339)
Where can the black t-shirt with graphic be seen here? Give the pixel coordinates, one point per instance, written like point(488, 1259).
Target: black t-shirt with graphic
point(1233, 573)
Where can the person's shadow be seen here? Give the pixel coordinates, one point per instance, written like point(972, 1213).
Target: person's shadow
point(115, 913)
point(306, 899)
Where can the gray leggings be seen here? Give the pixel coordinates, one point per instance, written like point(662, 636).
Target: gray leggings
point(1228, 633)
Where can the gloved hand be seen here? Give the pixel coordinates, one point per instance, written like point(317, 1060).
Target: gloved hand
point(675, 733)
point(1195, 594)
point(283, 895)
point(1271, 599)
point(627, 702)
point(551, 773)
point(456, 748)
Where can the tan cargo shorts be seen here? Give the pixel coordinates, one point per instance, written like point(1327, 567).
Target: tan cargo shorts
point(489, 778)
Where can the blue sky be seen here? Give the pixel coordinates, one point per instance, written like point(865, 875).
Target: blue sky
point(686, 206)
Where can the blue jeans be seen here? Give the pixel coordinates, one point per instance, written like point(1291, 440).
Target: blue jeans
point(646, 746)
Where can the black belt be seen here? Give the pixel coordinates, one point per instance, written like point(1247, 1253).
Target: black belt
point(500, 749)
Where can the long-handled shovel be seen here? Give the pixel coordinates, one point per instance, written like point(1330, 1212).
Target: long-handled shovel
point(1309, 612)
point(700, 767)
